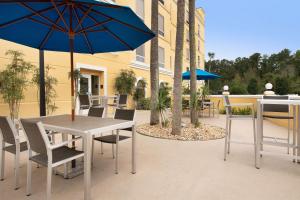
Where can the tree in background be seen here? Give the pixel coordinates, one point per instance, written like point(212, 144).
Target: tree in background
point(211, 56)
point(193, 80)
point(252, 86)
point(13, 81)
point(125, 82)
point(50, 83)
point(177, 90)
point(239, 73)
point(281, 86)
point(154, 69)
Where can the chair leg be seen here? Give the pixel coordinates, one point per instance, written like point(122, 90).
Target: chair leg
point(113, 147)
point(229, 137)
point(226, 140)
point(92, 153)
point(101, 145)
point(254, 136)
point(29, 165)
point(2, 161)
point(49, 179)
point(294, 137)
point(117, 153)
point(17, 158)
point(288, 139)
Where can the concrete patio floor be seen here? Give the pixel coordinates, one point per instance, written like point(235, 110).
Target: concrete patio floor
point(173, 170)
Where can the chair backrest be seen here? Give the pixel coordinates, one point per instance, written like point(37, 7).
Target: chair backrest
point(37, 142)
point(84, 100)
point(125, 114)
point(8, 130)
point(227, 104)
point(96, 112)
point(276, 108)
point(123, 99)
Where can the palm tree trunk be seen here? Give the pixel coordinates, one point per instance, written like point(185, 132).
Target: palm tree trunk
point(193, 81)
point(177, 91)
point(154, 69)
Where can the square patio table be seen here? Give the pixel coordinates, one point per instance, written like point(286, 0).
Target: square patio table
point(87, 127)
point(295, 102)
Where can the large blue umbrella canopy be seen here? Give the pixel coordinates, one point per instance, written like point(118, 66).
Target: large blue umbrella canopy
point(200, 74)
point(82, 26)
point(96, 27)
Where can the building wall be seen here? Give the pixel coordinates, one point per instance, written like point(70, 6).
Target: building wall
point(112, 63)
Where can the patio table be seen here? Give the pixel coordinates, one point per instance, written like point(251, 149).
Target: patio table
point(294, 102)
point(87, 127)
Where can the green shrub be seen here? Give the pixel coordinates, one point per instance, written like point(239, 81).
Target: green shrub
point(238, 111)
point(143, 104)
point(238, 89)
point(252, 86)
point(124, 83)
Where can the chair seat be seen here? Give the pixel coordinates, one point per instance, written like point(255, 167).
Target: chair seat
point(278, 117)
point(83, 107)
point(58, 154)
point(111, 138)
point(12, 148)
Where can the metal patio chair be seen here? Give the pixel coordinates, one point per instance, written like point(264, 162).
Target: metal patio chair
point(230, 117)
point(84, 102)
point(114, 139)
point(275, 112)
point(10, 142)
point(120, 101)
point(45, 153)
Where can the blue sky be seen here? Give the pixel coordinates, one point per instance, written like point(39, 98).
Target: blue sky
point(242, 27)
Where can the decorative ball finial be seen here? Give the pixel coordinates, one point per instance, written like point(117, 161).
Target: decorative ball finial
point(226, 90)
point(269, 88)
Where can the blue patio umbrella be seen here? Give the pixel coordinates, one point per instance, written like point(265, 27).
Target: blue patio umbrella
point(82, 26)
point(201, 75)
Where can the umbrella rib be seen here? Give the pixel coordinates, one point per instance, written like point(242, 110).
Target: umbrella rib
point(119, 39)
point(27, 16)
point(81, 20)
point(84, 33)
point(42, 16)
point(116, 20)
point(46, 38)
point(60, 14)
point(93, 26)
point(45, 24)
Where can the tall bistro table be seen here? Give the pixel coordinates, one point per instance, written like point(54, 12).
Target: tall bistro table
point(87, 127)
point(294, 102)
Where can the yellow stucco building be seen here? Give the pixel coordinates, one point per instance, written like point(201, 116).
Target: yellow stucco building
point(100, 70)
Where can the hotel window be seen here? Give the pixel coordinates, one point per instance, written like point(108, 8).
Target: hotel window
point(161, 57)
point(140, 9)
point(140, 54)
point(199, 61)
point(188, 54)
point(198, 44)
point(187, 35)
point(161, 25)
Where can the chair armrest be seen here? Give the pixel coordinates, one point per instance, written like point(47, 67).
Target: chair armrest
point(55, 146)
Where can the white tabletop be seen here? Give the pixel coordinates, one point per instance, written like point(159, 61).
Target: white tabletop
point(83, 124)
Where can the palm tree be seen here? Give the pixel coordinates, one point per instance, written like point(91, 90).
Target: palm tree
point(193, 81)
point(177, 93)
point(211, 56)
point(154, 70)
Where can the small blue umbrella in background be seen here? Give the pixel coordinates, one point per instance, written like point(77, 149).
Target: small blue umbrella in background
point(201, 75)
point(82, 26)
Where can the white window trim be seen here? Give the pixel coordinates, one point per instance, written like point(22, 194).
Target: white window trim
point(95, 68)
